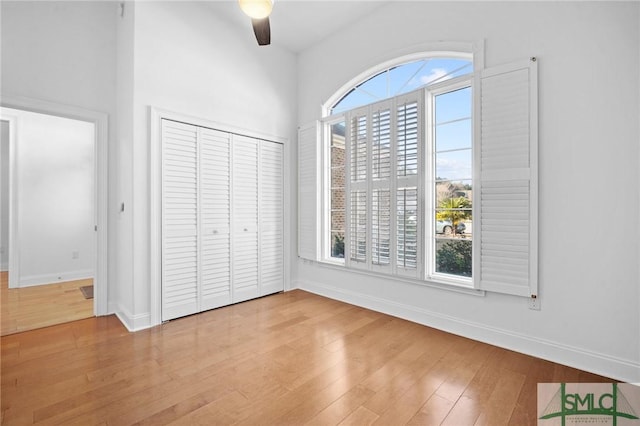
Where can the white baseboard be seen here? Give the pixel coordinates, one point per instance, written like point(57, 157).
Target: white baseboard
point(133, 322)
point(597, 363)
point(34, 280)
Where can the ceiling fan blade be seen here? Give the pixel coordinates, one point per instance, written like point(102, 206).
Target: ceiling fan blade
point(262, 30)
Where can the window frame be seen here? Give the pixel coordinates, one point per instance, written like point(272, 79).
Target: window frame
point(431, 92)
point(425, 269)
point(325, 158)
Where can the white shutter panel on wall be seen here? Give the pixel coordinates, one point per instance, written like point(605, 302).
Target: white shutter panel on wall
point(215, 202)
point(506, 258)
point(179, 220)
point(408, 150)
point(308, 191)
point(357, 236)
point(271, 218)
point(245, 218)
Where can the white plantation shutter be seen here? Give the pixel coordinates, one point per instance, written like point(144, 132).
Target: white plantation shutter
point(271, 218)
point(308, 191)
point(381, 227)
point(358, 227)
point(357, 161)
point(179, 220)
point(407, 228)
point(505, 261)
point(408, 134)
point(215, 218)
point(245, 218)
point(380, 183)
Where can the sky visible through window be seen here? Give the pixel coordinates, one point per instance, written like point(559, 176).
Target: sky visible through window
point(402, 79)
point(453, 130)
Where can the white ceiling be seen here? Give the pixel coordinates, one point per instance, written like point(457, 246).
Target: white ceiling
point(299, 24)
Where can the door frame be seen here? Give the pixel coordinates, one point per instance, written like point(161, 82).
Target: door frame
point(156, 115)
point(100, 122)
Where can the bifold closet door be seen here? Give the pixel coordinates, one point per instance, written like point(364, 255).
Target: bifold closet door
point(245, 270)
point(215, 218)
point(222, 219)
point(179, 219)
point(271, 218)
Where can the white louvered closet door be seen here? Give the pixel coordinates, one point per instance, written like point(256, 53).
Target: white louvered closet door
point(215, 218)
point(179, 219)
point(245, 218)
point(271, 218)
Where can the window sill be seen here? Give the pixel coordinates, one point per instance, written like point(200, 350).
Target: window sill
point(443, 284)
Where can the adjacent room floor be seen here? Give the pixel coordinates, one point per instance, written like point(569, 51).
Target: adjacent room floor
point(40, 306)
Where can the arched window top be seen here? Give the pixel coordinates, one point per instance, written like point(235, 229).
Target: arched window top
point(397, 77)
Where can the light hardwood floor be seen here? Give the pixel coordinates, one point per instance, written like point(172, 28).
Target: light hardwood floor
point(41, 306)
point(289, 359)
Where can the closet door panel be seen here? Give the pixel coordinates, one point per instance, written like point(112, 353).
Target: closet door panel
point(215, 216)
point(271, 218)
point(245, 218)
point(179, 220)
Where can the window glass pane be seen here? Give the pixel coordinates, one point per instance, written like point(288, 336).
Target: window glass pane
point(453, 189)
point(337, 244)
point(454, 165)
point(453, 196)
point(453, 256)
point(376, 87)
point(352, 100)
point(402, 79)
point(442, 69)
point(453, 135)
point(453, 105)
point(337, 213)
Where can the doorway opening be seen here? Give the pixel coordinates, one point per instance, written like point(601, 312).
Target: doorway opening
point(51, 259)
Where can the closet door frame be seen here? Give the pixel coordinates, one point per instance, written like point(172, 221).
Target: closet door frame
point(155, 182)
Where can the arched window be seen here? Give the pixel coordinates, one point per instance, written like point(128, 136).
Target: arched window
point(416, 154)
point(402, 77)
point(382, 214)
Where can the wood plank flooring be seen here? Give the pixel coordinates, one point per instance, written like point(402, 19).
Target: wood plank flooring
point(41, 306)
point(289, 359)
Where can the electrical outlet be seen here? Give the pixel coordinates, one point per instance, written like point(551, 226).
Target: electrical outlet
point(75, 254)
point(534, 303)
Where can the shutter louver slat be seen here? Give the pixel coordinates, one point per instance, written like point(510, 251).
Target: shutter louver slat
point(407, 138)
point(381, 227)
point(358, 148)
point(407, 228)
point(507, 258)
point(381, 149)
point(358, 227)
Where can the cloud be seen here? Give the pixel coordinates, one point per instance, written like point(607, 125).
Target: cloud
point(435, 74)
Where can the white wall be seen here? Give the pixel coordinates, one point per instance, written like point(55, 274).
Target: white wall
point(56, 196)
point(588, 105)
point(64, 52)
point(190, 60)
